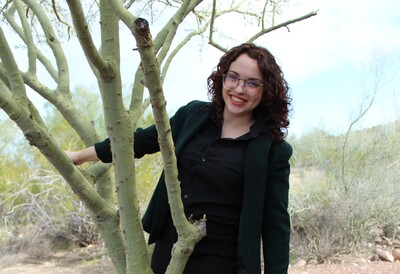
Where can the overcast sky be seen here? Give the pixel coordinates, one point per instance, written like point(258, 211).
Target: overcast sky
point(328, 60)
point(332, 62)
point(334, 59)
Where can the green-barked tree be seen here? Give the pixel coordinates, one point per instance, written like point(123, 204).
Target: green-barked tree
point(36, 30)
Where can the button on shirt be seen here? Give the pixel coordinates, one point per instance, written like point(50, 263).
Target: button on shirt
point(211, 172)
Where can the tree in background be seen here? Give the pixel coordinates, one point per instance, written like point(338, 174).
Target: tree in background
point(344, 186)
point(40, 29)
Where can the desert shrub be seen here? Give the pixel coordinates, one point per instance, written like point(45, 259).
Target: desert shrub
point(341, 199)
point(41, 212)
point(38, 209)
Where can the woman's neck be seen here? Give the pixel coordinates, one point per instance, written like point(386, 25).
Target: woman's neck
point(234, 126)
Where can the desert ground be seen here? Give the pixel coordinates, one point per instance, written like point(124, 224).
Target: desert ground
point(92, 260)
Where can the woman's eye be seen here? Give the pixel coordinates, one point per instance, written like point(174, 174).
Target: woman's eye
point(233, 77)
point(252, 84)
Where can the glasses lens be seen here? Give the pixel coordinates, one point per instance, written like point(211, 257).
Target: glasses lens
point(230, 81)
point(253, 87)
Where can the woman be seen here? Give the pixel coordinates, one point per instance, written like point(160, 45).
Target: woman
point(233, 166)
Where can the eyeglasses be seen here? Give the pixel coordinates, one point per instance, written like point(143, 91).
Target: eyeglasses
point(231, 81)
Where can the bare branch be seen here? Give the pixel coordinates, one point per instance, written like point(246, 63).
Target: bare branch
point(211, 39)
point(366, 104)
point(122, 13)
point(53, 42)
point(43, 59)
point(129, 4)
point(3, 77)
point(179, 47)
point(28, 38)
point(164, 40)
point(11, 71)
point(53, 3)
point(284, 24)
point(85, 39)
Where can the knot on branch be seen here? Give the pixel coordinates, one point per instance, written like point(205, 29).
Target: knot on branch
point(142, 34)
point(142, 26)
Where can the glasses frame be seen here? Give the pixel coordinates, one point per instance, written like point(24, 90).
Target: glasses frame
point(252, 92)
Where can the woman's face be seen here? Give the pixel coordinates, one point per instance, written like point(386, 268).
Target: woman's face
point(242, 100)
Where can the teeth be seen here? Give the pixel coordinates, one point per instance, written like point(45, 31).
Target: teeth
point(236, 99)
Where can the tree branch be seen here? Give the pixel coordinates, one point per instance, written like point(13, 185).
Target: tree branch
point(120, 128)
point(85, 39)
point(28, 38)
point(284, 24)
point(188, 234)
point(14, 78)
point(179, 47)
point(45, 62)
point(54, 43)
point(3, 77)
point(169, 30)
point(122, 13)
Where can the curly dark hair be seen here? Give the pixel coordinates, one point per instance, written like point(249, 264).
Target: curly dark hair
point(276, 101)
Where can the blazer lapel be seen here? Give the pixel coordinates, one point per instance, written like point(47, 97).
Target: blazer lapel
point(192, 125)
point(256, 163)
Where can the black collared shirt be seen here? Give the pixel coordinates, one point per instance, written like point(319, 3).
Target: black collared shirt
point(211, 172)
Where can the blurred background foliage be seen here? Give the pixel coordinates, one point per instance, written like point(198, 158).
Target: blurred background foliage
point(342, 197)
point(344, 189)
point(34, 198)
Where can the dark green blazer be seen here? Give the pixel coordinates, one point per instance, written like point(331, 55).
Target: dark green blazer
point(266, 185)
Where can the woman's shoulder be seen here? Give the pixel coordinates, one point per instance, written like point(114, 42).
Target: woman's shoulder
point(197, 104)
point(192, 108)
point(282, 148)
point(283, 144)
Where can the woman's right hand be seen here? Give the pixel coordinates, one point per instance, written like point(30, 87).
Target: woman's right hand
point(82, 156)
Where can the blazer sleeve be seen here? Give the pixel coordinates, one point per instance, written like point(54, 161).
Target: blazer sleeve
point(145, 142)
point(146, 139)
point(276, 219)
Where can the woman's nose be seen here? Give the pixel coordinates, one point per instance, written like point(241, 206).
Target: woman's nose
point(241, 87)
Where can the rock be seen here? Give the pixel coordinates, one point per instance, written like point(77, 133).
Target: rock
point(378, 239)
point(386, 241)
point(384, 255)
point(363, 261)
point(300, 263)
point(336, 260)
point(375, 258)
point(389, 231)
point(396, 254)
point(313, 262)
